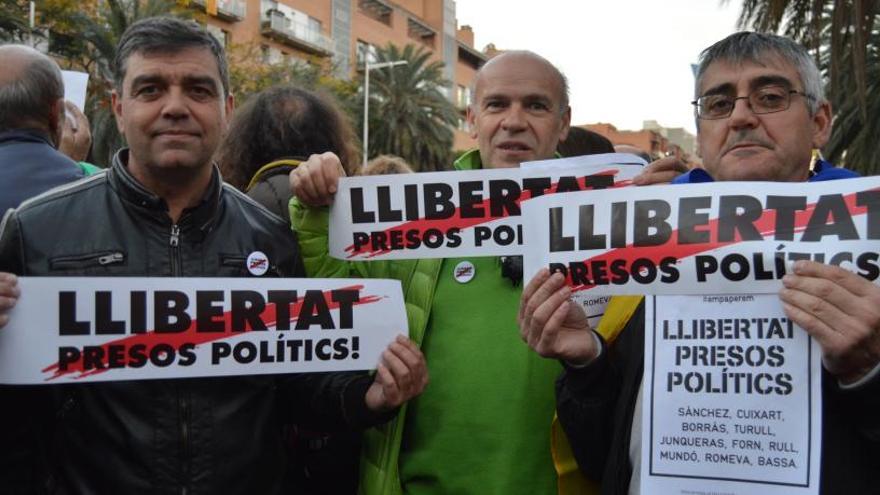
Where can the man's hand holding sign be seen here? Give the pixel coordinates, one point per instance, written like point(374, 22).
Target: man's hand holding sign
point(551, 324)
point(661, 171)
point(9, 294)
point(401, 375)
point(316, 180)
point(841, 311)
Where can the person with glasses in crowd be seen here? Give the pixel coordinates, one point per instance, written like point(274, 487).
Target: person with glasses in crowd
point(760, 114)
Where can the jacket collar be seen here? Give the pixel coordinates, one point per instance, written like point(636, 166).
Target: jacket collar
point(201, 216)
point(471, 160)
point(26, 136)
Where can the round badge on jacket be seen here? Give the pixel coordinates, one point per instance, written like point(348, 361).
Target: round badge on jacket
point(257, 263)
point(464, 272)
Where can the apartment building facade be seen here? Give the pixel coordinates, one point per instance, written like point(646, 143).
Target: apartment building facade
point(344, 33)
point(653, 138)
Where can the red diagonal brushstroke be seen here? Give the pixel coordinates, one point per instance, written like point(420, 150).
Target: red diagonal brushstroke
point(765, 224)
point(269, 316)
point(422, 225)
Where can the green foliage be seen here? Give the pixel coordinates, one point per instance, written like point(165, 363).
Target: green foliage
point(13, 21)
point(410, 116)
point(844, 37)
point(249, 75)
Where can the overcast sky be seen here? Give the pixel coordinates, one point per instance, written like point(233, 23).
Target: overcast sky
point(626, 60)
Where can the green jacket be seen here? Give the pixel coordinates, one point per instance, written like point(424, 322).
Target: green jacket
point(381, 447)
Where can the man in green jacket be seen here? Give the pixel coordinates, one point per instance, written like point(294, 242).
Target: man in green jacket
point(483, 425)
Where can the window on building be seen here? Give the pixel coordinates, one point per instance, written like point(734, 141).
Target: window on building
point(271, 55)
point(222, 35)
point(462, 96)
point(376, 9)
point(421, 32)
point(314, 25)
point(365, 53)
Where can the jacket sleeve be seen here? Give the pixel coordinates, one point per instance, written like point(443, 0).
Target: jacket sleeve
point(863, 403)
point(22, 464)
point(311, 226)
point(585, 400)
point(588, 400)
point(11, 251)
point(330, 401)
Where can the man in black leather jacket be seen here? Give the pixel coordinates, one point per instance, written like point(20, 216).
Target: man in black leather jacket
point(162, 210)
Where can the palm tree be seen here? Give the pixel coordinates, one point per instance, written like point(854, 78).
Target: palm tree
point(13, 21)
point(411, 117)
point(844, 37)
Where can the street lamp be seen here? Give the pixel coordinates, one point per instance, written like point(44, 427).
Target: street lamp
point(367, 68)
point(32, 11)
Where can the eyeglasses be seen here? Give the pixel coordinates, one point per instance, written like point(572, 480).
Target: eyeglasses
point(768, 99)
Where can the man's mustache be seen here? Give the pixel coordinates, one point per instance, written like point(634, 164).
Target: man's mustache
point(749, 138)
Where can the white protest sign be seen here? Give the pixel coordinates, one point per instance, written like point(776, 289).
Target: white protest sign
point(593, 306)
point(75, 86)
point(453, 214)
point(731, 398)
point(711, 238)
point(81, 329)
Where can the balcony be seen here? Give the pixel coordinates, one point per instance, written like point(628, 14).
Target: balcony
point(420, 32)
point(471, 56)
point(379, 10)
point(228, 10)
point(277, 26)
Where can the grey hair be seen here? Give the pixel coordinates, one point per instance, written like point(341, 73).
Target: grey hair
point(563, 81)
point(748, 46)
point(27, 100)
point(166, 35)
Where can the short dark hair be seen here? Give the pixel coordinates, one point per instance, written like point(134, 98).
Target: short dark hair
point(747, 46)
point(284, 122)
point(165, 35)
point(28, 99)
point(582, 141)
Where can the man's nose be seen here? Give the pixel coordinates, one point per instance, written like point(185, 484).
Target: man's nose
point(176, 104)
point(514, 118)
point(742, 115)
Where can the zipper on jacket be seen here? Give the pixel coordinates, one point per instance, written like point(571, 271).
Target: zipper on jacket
point(174, 243)
point(185, 414)
point(102, 258)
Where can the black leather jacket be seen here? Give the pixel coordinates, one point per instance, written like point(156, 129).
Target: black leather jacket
point(188, 436)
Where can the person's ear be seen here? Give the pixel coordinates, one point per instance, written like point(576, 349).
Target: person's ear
point(821, 125)
point(56, 121)
point(471, 118)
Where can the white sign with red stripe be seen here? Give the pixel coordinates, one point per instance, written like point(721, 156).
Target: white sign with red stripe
point(457, 214)
point(709, 238)
point(83, 329)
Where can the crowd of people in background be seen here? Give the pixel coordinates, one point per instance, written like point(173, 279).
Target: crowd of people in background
point(504, 355)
